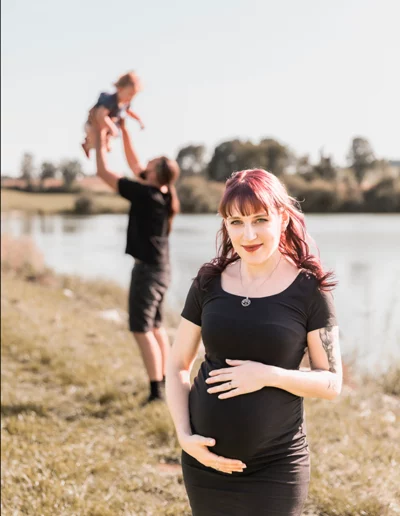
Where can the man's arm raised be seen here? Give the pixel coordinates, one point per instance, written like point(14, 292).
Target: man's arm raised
point(130, 152)
point(109, 177)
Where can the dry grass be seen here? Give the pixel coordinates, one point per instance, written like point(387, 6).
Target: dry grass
point(58, 203)
point(75, 440)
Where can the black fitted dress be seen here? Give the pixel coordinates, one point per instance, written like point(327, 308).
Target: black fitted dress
point(265, 429)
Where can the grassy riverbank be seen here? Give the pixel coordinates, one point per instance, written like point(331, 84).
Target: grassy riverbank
point(75, 440)
point(51, 203)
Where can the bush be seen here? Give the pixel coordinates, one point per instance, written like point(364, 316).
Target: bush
point(383, 196)
point(84, 204)
point(21, 256)
point(391, 381)
point(296, 185)
point(318, 196)
point(198, 195)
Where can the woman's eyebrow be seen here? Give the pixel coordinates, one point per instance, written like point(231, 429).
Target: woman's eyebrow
point(264, 214)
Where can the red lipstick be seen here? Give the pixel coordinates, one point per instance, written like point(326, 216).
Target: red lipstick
point(251, 248)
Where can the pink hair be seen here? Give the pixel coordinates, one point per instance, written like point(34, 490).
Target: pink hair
point(255, 190)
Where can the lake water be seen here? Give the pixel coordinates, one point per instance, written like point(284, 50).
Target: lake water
point(364, 251)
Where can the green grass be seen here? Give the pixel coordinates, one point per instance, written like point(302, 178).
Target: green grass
point(48, 203)
point(75, 440)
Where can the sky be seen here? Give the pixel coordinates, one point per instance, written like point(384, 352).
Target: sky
point(312, 74)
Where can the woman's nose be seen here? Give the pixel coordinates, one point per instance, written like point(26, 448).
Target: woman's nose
point(249, 232)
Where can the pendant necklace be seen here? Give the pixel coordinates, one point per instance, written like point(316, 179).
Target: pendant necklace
point(246, 301)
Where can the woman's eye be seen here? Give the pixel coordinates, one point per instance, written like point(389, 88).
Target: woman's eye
point(235, 222)
point(262, 220)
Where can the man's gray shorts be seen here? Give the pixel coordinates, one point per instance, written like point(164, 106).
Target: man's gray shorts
point(149, 284)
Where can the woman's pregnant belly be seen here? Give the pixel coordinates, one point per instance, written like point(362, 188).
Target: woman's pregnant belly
point(248, 427)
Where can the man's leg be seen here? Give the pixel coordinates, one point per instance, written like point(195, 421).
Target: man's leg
point(144, 299)
point(151, 354)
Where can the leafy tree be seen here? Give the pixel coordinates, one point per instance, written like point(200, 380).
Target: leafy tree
point(276, 156)
point(191, 160)
point(70, 170)
point(48, 171)
point(325, 169)
point(27, 168)
point(304, 167)
point(361, 157)
point(224, 160)
point(236, 155)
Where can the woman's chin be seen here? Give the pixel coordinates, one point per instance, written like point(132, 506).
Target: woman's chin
point(255, 258)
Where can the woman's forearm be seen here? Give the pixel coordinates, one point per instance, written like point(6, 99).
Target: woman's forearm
point(309, 384)
point(177, 393)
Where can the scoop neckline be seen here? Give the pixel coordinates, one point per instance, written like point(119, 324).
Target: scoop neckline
point(301, 272)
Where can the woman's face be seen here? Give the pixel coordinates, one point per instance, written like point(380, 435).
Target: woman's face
point(255, 237)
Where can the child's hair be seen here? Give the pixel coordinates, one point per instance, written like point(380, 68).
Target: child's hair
point(129, 79)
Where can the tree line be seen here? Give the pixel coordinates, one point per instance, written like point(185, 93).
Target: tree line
point(367, 184)
point(69, 170)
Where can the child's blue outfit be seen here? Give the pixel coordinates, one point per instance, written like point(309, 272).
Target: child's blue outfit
point(110, 102)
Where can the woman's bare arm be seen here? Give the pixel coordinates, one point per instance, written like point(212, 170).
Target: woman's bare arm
point(323, 381)
point(180, 363)
point(325, 378)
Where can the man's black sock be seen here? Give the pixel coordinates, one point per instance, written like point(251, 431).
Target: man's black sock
point(155, 389)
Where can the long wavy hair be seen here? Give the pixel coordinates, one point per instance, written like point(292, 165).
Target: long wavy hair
point(167, 174)
point(251, 191)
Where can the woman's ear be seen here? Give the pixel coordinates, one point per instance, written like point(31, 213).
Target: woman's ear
point(285, 221)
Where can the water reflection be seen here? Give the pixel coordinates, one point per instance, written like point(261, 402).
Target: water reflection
point(27, 225)
point(70, 225)
point(363, 250)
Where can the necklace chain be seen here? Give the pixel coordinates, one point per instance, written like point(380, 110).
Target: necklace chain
point(246, 301)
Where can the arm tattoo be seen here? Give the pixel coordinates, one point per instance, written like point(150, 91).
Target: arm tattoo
point(310, 360)
point(327, 339)
point(332, 384)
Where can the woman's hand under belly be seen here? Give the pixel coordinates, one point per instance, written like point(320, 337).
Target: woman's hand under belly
point(245, 426)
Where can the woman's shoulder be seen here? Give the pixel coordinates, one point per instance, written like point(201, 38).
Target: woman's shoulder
point(206, 283)
point(309, 286)
point(307, 280)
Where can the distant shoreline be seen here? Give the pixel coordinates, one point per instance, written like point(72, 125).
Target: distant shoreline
point(54, 203)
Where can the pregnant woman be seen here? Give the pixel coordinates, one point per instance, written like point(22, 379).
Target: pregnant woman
point(259, 306)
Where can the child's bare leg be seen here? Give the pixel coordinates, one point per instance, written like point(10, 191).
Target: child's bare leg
point(89, 141)
point(108, 142)
point(90, 136)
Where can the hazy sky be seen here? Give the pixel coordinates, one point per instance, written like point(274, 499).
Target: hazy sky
point(310, 73)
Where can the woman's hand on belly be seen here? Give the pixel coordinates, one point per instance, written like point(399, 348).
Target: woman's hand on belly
point(197, 446)
point(242, 377)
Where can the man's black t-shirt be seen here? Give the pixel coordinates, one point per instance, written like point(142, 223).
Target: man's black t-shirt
point(147, 237)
